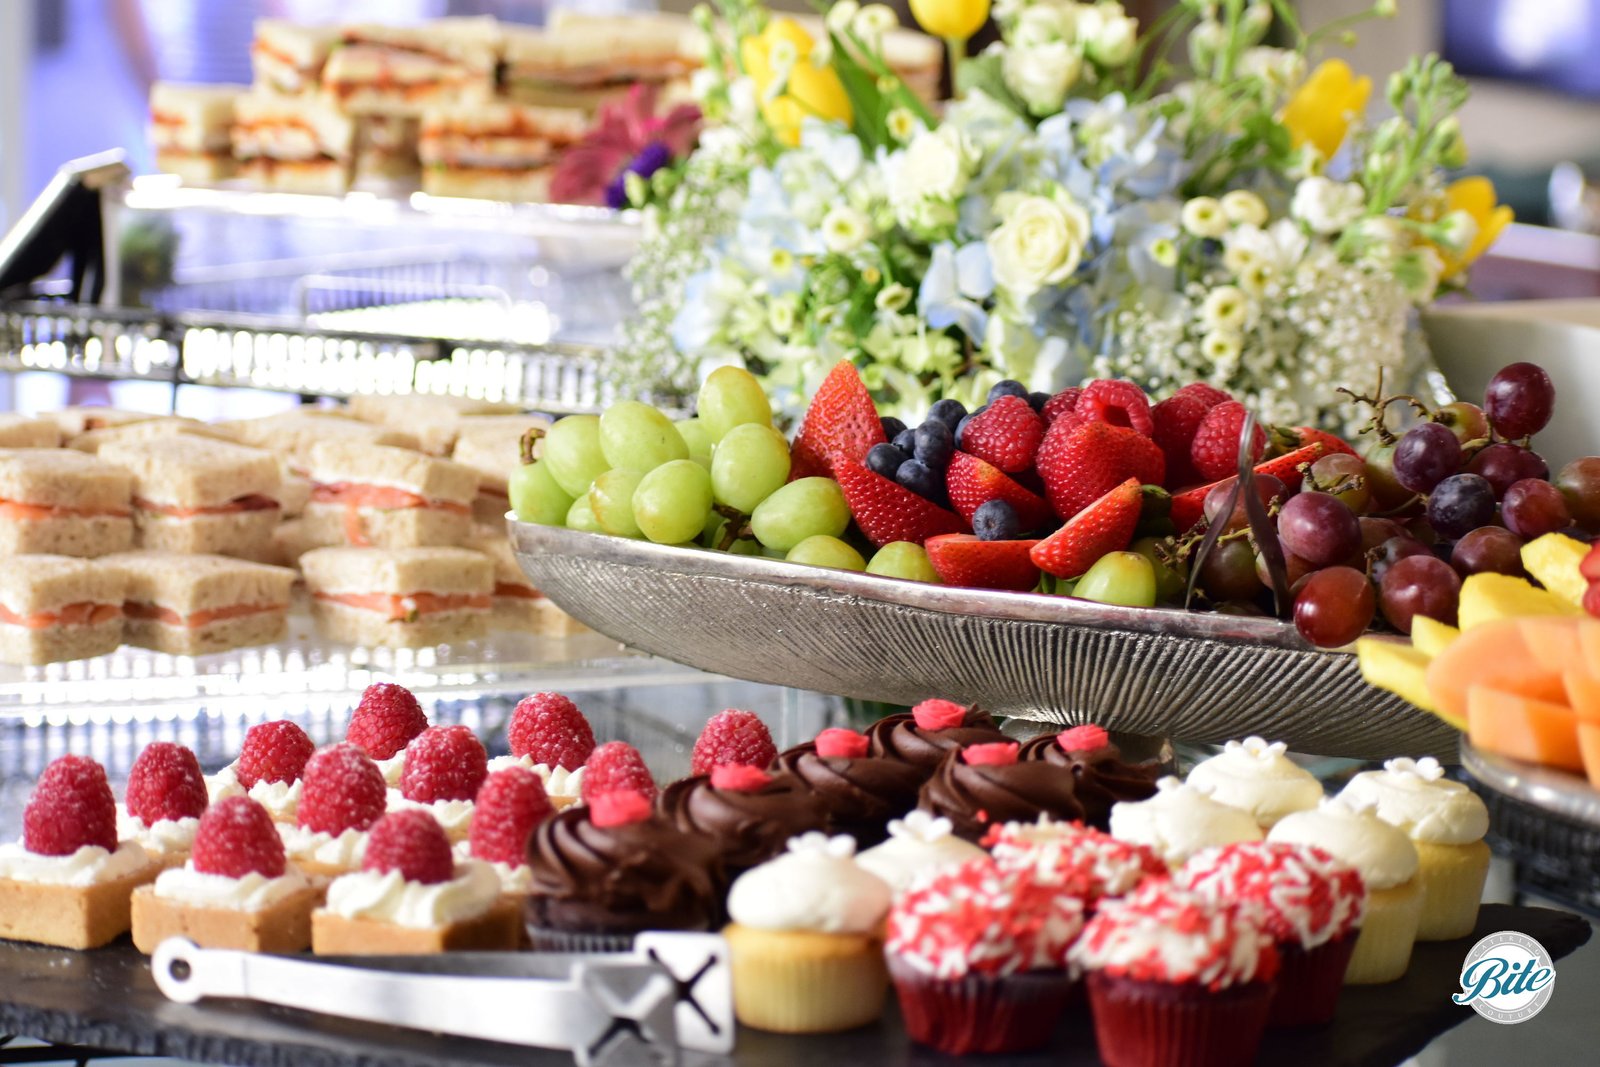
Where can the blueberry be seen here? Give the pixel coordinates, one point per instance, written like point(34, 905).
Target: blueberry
point(965, 419)
point(995, 520)
point(921, 479)
point(950, 412)
point(1037, 401)
point(1007, 388)
point(935, 444)
point(885, 460)
point(892, 427)
point(905, 441)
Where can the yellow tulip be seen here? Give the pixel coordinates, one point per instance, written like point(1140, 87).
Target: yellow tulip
point(1476, 197)
point(810, 91)
point(951, 19)
point(1321, 110)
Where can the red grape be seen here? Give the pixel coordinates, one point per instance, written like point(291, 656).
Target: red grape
point(1426, 456)
point(1381, 484)
point(1267, 487)
point(1294, 567)
point(1419, 585)
point(1460, 504)
point(1505, 465)
point(1334, 607)
point(1329, 471)
point(1466, 421)
point(1533, 508)
point(1579, 482)
point(1229, 572)
point(1391, 552)
point(1375, 531)
point(1519, 400)
point(1490, 550)
point(1319, 529)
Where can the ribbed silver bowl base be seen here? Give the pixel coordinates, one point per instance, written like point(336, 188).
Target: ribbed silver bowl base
point(1188, 676)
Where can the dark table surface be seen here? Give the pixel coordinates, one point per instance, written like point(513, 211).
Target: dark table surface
point(106, 999)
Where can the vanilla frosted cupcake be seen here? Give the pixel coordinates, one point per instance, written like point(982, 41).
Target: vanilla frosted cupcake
point(806, 941)
point(1180, 820)
point(1257, 777)
point(918, 845)
point(1446, 822)
point(1387, 862)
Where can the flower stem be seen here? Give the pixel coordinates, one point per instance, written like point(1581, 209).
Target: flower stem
point(956, 48)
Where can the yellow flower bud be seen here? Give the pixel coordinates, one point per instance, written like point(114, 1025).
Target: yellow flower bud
point(1475, 198)
point(784, 49)
point(1321, 110)
point(951, 19)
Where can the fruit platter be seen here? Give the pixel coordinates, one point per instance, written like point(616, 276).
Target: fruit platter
point(1086, 555)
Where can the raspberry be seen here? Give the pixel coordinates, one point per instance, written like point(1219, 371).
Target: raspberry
point(386, 720)
point(273, 752)
point(1118, 402)
point(412, 843)
point(71, 807)
point(619, 807)
point(938, 714)
point(343, 790)
point(732, 737)
point(237, 837)
point(616, 765)
point(1215, 451)
point(510, 805)
point(739, 777)
point(841, 743)
point(549, 729)
point(444, 763)
point(995, 754)
point(165, 783)
point(1063, 403)
point(1006, 434)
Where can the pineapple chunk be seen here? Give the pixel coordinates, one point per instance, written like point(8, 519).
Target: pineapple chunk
point(1488, 597)
point(1431, 637)
point(1554, 559)
point(1400, 669)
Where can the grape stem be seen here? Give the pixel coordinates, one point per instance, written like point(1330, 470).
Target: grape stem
point(737, 529)
point(529, 443)
point(1380, 408)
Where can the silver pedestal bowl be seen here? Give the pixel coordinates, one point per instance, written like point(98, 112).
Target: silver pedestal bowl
point(1196, 677)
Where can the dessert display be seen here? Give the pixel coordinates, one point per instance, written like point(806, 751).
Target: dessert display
point(377, 496)
point(385, 720)
point(509, 806)
point(61, 502)
point(745, 812)
point(235, 891)
point(220, 499)
point(402, 597)
point(1258, 778)
point(1180, 820)
point(918, 847)
point(343, 795)
point(550, 737)
point(924, 735)
point(732, 737)
point(59, 608)
point(444, 768)
point(981, 785)
point(190, 605)
point(411, 897)
point(1091, 863)
point(860, 794)
point(165, 797)
point(613, 766)
point(805, 939)
point(1100, 776)
point(269, 770)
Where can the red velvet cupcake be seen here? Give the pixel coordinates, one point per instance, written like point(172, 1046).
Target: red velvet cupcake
point(1086, 862)
point(976, 955)
point(1176, 980)
point(1310, 903)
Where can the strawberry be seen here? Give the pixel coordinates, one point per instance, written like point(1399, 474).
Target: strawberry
point(1286, 468)
point(412, 843)
point(616, 766)
point(971, 483)
point(1176, 420)
point(1215, 450)
point(1290, 440)
point(1080, 464)
point(237, 837)
point(273, 752)
point(1188, 506)
point(343, 790)
point(165, 783)
point(1106, 525)
point(842, 421)
point(730, 737)
point(510, 805)
point(385, 720)
point(1063, 403)
point(962, 559)
point(888, 512)
point(71, 807)
point(551, 730)
point(444, 763)
point(1006, 433)
point(1117, 401)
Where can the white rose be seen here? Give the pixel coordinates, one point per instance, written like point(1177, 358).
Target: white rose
point(1108, 35)
point(1327, 206)
point(1244, 207)
point(932, 167)
point(1039, 243)
point(1042, 75)
point(1043, 24)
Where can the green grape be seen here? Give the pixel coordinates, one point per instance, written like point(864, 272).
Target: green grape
point(820, 550)
point(798, 510)
point(671, 502)
point(731, 396)
point(611, 500)
point(572, 449)
point(696, 437)
point(746, 546)
point(581, 516)
point(903, 559)
point(536, 497)
point(749, 464)
point(638, 436)
point(1170, 583)
point(1119, 578)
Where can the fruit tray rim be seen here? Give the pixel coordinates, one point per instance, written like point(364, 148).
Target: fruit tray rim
point(1560, 793)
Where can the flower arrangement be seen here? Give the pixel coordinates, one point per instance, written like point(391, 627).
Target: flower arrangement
point(1087, 205)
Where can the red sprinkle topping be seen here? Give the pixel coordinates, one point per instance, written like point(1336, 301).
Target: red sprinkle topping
point(739, 778)
point(619, 808)
point(994, 754)
point(938, 715)
point(1085, 738)
point(1166, 934)
point(841, 744)
point(1301, 894)
point(1080, 858)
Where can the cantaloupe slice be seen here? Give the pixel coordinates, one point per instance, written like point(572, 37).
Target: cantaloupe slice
point(1553, 640)
point(1521, 727)
point(1589, 749)
point(1589, 644)
point(1430, 636)
point(1493, 655)
point(1583, 694)
point(1487, 598)
point(1401, 669)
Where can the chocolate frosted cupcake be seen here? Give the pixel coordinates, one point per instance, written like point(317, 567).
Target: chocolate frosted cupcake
point(1101, 776)
point(604, 872)
point(923, 735)
point(981, 785)
point(859, 794)
point(746, 814)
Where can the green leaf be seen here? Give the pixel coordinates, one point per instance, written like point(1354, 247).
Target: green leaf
point(982, 73)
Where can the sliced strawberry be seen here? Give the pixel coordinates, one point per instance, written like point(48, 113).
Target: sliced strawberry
point(887, 512)
point(1106, 525)
point(1301, 436)
point(1188, 506)
point(973, 482)
point(1285, 468)
point(962, 559)
point(841, 421)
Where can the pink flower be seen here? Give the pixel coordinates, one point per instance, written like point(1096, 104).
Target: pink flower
point(628, 137)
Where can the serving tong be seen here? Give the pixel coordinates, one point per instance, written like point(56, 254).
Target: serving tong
point(670, 993)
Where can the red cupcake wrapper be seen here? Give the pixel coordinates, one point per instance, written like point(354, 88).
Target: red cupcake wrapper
point(1157, 1024)
point(980, 1013)
point(1309, 982)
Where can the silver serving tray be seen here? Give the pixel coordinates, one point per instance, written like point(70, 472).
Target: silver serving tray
point(1190, 676)
point(1558, 792)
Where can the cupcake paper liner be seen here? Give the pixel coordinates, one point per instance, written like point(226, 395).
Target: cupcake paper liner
point(549, 939)
point(806, 983)
point(1452, 878)
point(1309, 981)
point(981, 1013)
point(1158, 1024)
point(1383, 951)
